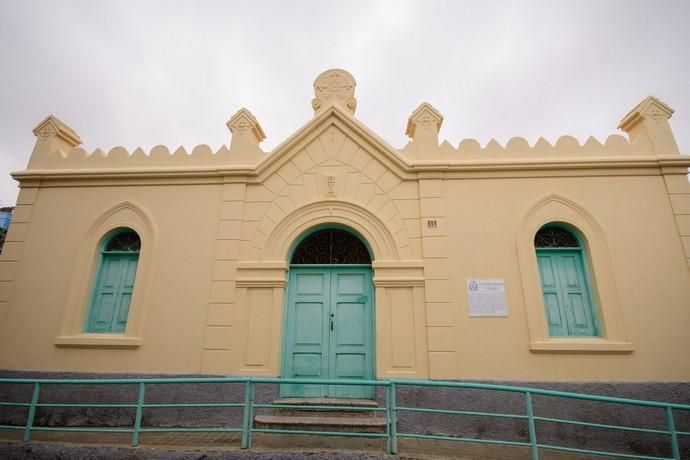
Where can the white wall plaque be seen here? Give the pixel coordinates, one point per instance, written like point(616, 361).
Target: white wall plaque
point(487, 297)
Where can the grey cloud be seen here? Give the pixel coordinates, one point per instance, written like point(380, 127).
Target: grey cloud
point(147, 73)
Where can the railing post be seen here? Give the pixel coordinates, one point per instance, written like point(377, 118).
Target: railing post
point(392, 420)
point(32, 412)
point(248, 414)
point(672, 431)
point(252, 389)
point(137, 418)
point(534, 448)
point(388, 418)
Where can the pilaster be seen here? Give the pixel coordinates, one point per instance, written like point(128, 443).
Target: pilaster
point(14, 244)
point(218, 335)
point(441, 328)
point(649, 120)
point(678, 189)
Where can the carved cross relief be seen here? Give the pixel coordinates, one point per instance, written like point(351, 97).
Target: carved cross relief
point(331, 183)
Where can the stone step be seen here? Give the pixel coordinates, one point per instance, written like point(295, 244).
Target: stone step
point(322, 423)
point(327, 402)
point(326, 407)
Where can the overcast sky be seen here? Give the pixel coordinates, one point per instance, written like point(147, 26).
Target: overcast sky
point(145, 73)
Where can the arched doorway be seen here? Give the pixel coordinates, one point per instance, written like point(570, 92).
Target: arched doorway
point(329, 325)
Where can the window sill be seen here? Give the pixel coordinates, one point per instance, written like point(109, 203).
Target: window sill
point(571, 345)
point(97, 341)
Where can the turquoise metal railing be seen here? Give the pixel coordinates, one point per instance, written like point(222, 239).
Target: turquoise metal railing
point(391, 411)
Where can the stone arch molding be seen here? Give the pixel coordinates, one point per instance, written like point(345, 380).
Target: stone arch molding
point(332, 212)
point(124, 214)
point(332, 164)
point(557, 208)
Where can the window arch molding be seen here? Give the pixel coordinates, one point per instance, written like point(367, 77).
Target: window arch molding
point(560, 211)
point(123, 215)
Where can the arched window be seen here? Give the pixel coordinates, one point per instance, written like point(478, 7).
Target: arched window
point(565, 283)
point(113, 283)
point(331, 246)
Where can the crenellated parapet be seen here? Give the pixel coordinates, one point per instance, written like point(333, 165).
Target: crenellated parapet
point(57, 147)
point(159, 156)
point(248, 156)
point(649, 137)
point(649, 134)
point(566, 147)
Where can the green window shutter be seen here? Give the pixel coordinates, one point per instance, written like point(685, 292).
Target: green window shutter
point(129, 271)
point(578, 305)
point(104, 296)
point(112, 295)
point(553, 299)
point(569, 307)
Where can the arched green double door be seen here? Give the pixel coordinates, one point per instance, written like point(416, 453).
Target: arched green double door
point(329, 325)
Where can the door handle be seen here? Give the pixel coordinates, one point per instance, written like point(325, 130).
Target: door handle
point(332, 321)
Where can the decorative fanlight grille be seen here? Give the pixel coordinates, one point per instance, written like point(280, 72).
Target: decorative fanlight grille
point(331, 246)
point(127, 241)
point(555, 237)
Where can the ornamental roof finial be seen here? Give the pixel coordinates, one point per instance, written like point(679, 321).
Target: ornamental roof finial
point(334, 86)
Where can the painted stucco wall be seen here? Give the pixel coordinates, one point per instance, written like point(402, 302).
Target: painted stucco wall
point(217, 229)
point(50, 266)
point(647, 287)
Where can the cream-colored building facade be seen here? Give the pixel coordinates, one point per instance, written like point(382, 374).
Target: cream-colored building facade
point(217, 230)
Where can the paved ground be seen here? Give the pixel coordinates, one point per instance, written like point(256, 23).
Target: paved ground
point(226, 446)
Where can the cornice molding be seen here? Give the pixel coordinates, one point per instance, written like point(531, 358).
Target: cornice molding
point(478, 169)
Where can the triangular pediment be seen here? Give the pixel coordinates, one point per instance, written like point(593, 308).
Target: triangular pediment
point(334, 138)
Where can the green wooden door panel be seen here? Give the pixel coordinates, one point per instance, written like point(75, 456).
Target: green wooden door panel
point(352, 338)
point(307, 317)
point(329, 330)
point(350, 283)
point(310, 284)
point(348, 316)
